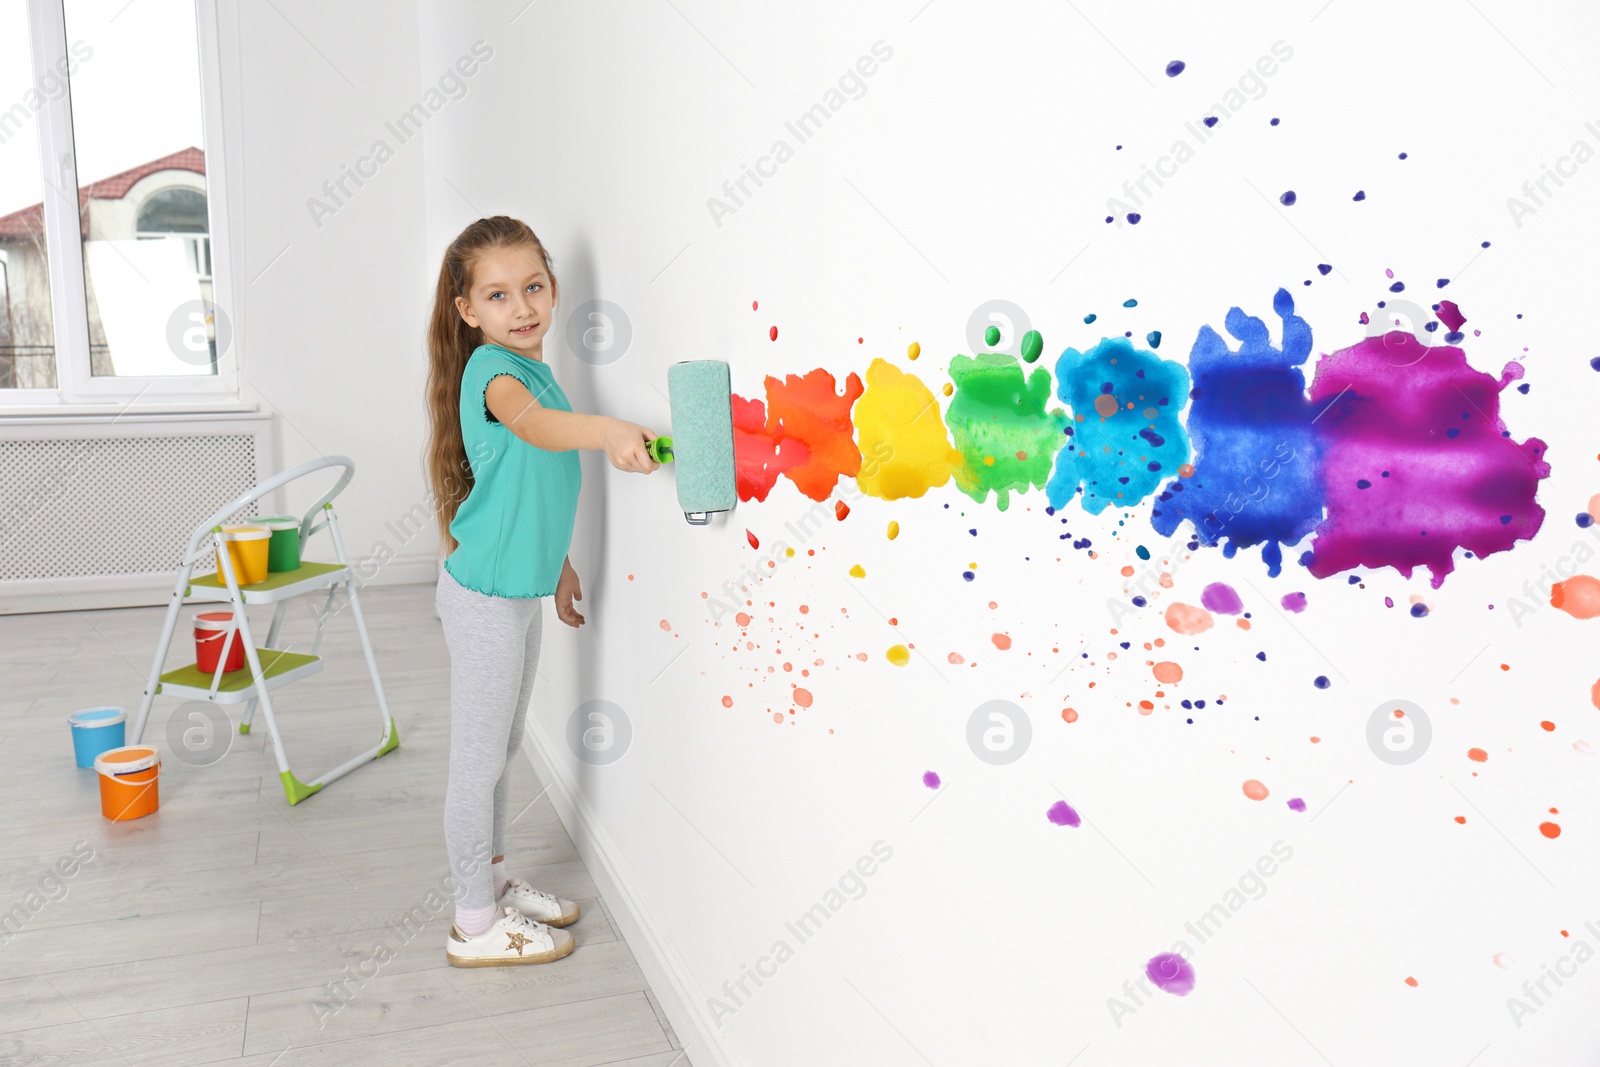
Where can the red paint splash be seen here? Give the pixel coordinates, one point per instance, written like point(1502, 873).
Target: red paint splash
point(773, 333)
point(841, 510)
point(759, 456)
point(748, 536)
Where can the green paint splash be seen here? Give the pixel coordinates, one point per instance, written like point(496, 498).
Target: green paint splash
point(997, 415)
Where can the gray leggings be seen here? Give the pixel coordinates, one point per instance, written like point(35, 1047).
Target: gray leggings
point(494, 653)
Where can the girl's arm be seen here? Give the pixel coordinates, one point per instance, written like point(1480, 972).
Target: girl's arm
point(562, 431)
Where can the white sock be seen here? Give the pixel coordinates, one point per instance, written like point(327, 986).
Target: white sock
point(498, 869)
point(475, 921)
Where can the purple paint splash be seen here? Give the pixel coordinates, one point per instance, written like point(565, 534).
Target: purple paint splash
point(1062, 814)
point(1295, 602)
point(1171, 973)
point(1417, 461)
point(1221, 598)
point(1296, 804)
point(930, 780)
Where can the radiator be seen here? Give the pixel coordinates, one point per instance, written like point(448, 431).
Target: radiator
point(96, 512)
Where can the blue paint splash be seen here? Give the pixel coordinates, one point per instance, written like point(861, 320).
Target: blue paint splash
point(1118, 457)
point(1256, 475)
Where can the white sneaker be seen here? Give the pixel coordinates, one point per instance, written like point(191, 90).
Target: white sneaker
point(538, 905)
point(514, 938)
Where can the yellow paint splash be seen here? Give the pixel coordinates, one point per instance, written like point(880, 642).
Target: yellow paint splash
point(894, 529)
point(858, 571)
point(899, 655)
point(914, 351)
point(905, 449)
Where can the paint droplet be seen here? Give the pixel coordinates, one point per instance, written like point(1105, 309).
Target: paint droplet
point(802, 697)
point(1167, 672)
point(1321, 681)
point(1222, 599)
point(754, 304)
point(1297, 804)
point(1061, 814)
point(743, 619)
point(1548, 725)
point(1001, 641)
point(840, 510)
point(1462, 819)
point(1477, 755)
point(899, 655)
point(1032, 346)
point(1550, 830)
point(930, 779)
point(1175, 68)
point(894, 529)
point(991, 336)
point(773, 333)
point(1287, 198)
point(748, 536)
point(1503, 960)
point(665, 625)
point(727, 702)
point(858, 571)
point(1188, 619)
point(1255, 790)
point(1412, 982)
point(1171, 973)
point(1578, 596)
point(1069, 715)
point(913, 350)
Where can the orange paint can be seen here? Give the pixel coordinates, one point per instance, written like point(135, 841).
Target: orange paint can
point(129, 782)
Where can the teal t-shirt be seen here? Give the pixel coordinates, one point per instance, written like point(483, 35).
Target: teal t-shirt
point(515, 526)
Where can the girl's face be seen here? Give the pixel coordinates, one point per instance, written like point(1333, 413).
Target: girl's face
point(510, 299)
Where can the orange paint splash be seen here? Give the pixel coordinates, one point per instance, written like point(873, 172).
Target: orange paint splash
point(1255, 790)
point(1412, 982)
point(1578, 596)
point(807, 408)
point(727, 702)
point(1188, 619)
point(1550, 830)
point(1477, 755)
point(802, 697)
point(1001, 641)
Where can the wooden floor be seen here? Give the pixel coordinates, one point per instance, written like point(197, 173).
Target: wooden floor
point(231, 928)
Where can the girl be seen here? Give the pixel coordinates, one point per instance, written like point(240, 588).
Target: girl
point(505, 518)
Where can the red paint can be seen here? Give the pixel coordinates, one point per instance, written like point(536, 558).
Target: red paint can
point(210, 632)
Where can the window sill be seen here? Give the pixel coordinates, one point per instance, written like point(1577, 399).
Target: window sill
point(47, 413)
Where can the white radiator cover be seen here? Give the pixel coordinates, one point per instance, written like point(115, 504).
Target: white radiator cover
point(95, 512)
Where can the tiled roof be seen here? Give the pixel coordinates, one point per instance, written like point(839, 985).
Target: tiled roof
point(29, 221)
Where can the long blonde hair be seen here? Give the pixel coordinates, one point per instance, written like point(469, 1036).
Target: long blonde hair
point(451, 343)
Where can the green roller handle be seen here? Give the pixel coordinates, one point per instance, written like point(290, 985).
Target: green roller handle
point(660, 449)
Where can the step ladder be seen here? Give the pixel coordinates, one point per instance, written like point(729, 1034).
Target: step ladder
point(268, 667)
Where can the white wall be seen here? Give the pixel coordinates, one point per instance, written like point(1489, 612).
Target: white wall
point(976, 166)
point(331, 322)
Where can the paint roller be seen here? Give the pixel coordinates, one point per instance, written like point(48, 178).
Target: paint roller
point(701, 398)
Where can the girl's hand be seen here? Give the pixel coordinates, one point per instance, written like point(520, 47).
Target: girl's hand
point(624, 446)
point(567, 591)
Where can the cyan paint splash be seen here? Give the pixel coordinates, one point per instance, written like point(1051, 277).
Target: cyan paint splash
point(1126, 433)
point(1417, 461)
point(1256, 477)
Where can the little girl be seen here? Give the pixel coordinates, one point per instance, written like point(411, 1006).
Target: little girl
point(505, 518)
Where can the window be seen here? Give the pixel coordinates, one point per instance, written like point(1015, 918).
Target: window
point(112, 294)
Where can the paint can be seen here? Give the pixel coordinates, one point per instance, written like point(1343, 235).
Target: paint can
point(283, 553)
point(129, 782)
point(211, 630)
point(97, 730)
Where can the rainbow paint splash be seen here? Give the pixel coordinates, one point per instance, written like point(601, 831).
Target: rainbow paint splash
point(1396, 455)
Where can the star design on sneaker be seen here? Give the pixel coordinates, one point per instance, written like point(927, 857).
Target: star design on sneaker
point(518, 940)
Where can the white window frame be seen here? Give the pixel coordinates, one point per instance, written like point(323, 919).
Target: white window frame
point(77, 390)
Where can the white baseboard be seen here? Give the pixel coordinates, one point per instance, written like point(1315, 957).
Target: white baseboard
point(669, 979)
